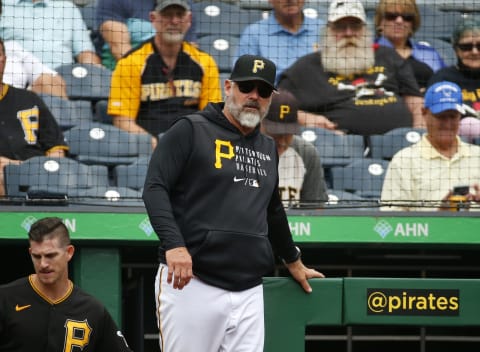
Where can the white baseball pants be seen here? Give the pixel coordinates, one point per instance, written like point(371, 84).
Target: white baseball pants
point(206, 318)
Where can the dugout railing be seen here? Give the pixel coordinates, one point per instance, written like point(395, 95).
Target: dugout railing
point(404, 254)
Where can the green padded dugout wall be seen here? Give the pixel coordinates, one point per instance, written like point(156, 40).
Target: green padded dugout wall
point(421, 302)
point(288, 310)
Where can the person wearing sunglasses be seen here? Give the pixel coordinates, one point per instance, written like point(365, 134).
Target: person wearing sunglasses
point(351, 86)
point(466, 73)
point(395, 23)
point(211, 193)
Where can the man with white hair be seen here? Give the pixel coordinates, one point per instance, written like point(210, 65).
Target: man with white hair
point(350, 85)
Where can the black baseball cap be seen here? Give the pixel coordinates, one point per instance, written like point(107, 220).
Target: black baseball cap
point(254, 68)
point(282, 115)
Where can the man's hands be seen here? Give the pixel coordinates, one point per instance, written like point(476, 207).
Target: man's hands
point(301, 273)
point(179, 264)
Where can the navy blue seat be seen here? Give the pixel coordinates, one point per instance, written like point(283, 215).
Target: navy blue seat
point(132, 175)
point(221, 47)
point(110, 196)
point(45, 177)
point(386, 145)
point(334, 149)
point(98, 143)
point(68, 113)
point(362, 177)
point(218, 17)
point(86, 81)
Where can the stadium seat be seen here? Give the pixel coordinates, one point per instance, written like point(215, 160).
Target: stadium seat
point(363, 177)
point(436, 23)
point(338, 199)
point(86, 81)
point(218, 17)
point(444, 48)
point(334, 149)
point(133, 175)
point(315, 9)
point(101, 112)
point(109, 196)
point(386, 145)
point(68, 113)
point(221, 47)
point(98, 143)
point(45, 177)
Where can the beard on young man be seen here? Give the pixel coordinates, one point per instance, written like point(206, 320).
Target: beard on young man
point(347, 56)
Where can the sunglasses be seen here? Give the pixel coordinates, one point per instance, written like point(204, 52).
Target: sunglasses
point(392, 16)
point(263, 89)
point(344, 26)
point(468, 46)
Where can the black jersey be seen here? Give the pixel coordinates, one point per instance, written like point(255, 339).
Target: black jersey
point(366, 104)
point(29, 321)
point(27, 127)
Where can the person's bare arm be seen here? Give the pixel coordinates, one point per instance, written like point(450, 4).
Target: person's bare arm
point(415, 104)
point(117, 37)
point(128, 124)
point(309, 119)
point(50, 84)
point(88, 57)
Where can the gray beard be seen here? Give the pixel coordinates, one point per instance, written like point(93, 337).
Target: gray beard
point(347, 60)
point(173, 38)
point(245, 118)
point(248, 119)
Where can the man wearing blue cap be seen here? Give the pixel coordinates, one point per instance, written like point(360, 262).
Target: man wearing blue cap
point(426, 174)
point(211, 193)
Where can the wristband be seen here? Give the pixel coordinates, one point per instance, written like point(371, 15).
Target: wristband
point(295, 258)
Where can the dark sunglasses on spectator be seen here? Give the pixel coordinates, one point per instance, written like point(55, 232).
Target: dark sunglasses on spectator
point(263, 89)
point(392, 16)
point(468, 46)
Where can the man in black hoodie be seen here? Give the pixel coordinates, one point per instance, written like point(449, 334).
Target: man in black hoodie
point(211, 193)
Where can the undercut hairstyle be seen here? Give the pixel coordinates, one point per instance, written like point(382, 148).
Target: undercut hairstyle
point(47, 228)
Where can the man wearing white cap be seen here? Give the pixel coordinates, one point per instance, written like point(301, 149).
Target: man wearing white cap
point(351, 85)
point(428, 173)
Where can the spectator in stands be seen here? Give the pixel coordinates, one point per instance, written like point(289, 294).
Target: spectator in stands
point(283, 37)
point(24, 70)
point(466, 73)
point(349, 86)
point(28, 127)
point(53, 31)
point(395, 23)
point(124, 24)
point(422, 176)
point(164, 78)
point(301, 179)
